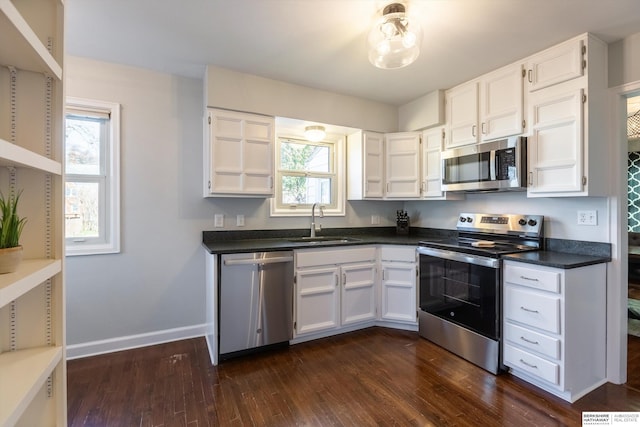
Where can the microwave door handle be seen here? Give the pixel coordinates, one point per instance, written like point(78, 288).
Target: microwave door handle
point(492, 164)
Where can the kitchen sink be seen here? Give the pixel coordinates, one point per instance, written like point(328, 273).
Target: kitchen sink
point(324, 239)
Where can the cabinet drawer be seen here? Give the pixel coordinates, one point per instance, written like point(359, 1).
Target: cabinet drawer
point(398, 253)
point(534, 278)
point(531, 340)
point(331, 256)
point(534, 365)
point(532, 309)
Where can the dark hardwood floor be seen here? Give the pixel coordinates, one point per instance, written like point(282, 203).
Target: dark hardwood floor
point(373, 377)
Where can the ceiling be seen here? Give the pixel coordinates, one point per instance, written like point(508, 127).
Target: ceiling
point(322, 43)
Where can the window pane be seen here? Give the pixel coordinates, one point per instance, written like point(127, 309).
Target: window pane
point(82, 145)
point(81, 209)
point(304, 157)
point(305, 190)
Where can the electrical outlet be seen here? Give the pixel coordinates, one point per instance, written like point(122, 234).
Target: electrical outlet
point(218, 220)
point(375, 219)
point(240, 220)
point(587, 217)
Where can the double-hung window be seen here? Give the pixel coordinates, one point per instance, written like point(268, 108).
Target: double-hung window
point(92, 147)
point(307, 173)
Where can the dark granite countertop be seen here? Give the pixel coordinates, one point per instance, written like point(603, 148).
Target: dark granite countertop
point(562, 260)
point(224, 242)
point(558, 253)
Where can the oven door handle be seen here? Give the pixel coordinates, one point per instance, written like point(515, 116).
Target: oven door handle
point(460, 256)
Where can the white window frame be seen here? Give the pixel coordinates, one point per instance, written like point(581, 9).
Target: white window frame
point(280, 209)
point(109, 241)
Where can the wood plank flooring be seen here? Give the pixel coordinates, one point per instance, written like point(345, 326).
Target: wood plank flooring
point(373, 377)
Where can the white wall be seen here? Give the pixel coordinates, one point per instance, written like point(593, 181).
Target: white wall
point(624, 61)
point(156, 282)
point(560, 213)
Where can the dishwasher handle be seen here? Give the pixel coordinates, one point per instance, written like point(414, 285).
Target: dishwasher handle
point(258, 261)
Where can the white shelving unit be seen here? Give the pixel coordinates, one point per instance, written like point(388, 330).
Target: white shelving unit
point(32, 313)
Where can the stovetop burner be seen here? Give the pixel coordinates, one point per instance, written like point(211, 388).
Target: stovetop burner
point(493, 235)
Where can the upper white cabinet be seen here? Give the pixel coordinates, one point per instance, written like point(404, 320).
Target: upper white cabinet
point(365, 172)
point(556, 65)
point(431, 184)
point(238, 154)
point(402, 165)
point(567, 119)
point(32, 306)
point(486, 108)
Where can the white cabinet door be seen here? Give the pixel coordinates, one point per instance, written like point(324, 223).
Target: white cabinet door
point(365, 174)
point(402, 165)
point(399, 292)
point(431, 166)
point(317, 299)
point(358, 293)
point(555, 147)
point(501, 103)
point(558, 64)
point(486, 108)
point(239, 155)
point(462, 115)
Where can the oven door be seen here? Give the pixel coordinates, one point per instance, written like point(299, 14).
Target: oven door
point(460, 288)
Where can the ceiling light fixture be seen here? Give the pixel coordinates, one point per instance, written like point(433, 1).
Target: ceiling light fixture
point(395, 39)
point(314, 133)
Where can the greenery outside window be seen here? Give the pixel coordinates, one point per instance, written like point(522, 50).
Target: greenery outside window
point(92, 147)
point(307, 173)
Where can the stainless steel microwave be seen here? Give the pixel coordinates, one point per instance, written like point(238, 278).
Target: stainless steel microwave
point(499, 165)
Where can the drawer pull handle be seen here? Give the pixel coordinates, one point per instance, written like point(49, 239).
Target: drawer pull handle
point(528, 364)
point(529, 341)
point(529, 310)
point(528, 278)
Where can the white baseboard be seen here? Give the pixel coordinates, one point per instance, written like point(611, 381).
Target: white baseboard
point(93, 348)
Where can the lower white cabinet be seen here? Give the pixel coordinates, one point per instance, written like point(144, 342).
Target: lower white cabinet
point(554, 327)
point(335, 288)
point(398, 284)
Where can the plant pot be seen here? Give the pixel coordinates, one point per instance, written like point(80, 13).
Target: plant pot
point(10, 258)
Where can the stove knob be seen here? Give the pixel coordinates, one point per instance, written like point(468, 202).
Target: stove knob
point(522, 221)
point(463, 219)
point(469, 219)
point(532, 222)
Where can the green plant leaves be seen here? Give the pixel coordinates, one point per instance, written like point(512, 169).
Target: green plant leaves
point(11, 225)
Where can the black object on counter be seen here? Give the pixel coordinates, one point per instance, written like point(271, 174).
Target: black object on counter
point(402, 222)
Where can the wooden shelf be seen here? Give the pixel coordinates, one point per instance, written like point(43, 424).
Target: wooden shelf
point(17, 36)
point(23, 373)
point(16, 156)
point(31, 273)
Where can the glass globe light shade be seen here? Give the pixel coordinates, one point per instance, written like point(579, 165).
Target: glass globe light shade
point(394, 41)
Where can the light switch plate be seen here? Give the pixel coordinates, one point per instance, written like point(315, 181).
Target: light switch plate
point(240, 220)
point(218, 220)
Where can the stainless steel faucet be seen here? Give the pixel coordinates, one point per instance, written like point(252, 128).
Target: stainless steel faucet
point(313, 219)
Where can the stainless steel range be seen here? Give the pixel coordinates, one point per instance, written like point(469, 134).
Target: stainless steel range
point(461, 281)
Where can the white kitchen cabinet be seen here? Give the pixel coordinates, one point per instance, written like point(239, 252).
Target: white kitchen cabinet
point(32, 306)
point(238, 154)
point(335, 288)
point(398, 284)
point(567, 97)
point(365, 171)
point(431, 185)
point(554, 327)
point(486, 108)
point(402, 165)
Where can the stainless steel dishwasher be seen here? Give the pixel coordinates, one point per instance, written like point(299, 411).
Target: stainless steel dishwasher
point(256, 301)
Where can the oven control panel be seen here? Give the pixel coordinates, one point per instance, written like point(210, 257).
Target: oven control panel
point(501, 223)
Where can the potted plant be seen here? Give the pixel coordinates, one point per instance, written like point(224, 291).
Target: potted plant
point(11, 226)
